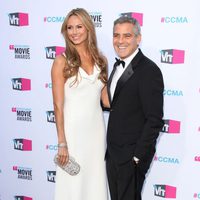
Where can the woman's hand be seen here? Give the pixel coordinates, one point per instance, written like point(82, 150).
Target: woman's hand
point(63, 155)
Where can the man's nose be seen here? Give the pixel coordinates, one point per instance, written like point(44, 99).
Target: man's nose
point(121, 39)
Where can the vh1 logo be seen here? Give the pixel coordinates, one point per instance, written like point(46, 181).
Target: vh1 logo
point(18, 19)
point(138, 16)
point(50, 116)
point(21, 84)
point(52, 52)
point(22, 144)
point(171, 126)
point(51, 176)
point(172, 56)
point(22, 198)
point(165, 191)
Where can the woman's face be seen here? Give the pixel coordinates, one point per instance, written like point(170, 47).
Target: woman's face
point(76, 31)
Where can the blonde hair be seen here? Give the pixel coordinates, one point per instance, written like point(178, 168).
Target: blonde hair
point(72, 56)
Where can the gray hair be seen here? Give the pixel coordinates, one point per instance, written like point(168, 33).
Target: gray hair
point(131, 20)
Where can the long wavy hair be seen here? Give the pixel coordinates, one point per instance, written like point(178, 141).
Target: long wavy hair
point(72, 56)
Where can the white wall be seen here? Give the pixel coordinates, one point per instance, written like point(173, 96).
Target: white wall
point(166, 25)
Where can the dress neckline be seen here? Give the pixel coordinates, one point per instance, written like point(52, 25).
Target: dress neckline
point(92, 77)
point(86, 72)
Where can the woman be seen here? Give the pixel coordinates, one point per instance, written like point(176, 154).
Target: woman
point(79, 79)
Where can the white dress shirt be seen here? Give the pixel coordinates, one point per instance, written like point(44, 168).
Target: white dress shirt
point(119, 71)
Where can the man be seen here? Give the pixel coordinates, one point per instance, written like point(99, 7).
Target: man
point(136, 110)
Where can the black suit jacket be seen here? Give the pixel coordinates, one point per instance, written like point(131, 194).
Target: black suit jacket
point(136, 111)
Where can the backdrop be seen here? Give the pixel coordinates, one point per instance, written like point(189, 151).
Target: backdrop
point(30, 39)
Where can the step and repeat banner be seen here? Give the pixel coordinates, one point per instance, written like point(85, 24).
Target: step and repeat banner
point(30, 39)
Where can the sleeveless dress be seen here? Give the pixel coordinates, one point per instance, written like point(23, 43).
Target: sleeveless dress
point(85, 134)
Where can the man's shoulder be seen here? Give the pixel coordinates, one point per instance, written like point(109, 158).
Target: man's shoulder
point(148, 63)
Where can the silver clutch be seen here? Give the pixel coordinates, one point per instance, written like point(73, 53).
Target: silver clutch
point(72, 167)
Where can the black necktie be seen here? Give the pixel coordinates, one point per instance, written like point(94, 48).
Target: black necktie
point(118, 62)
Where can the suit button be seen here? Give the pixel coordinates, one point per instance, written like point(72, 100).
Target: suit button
point(111, 110)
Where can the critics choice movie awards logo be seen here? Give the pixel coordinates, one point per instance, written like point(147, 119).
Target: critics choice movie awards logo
point(174, 20)
point(171, 126)
point(22, 198)
point(172, 56)
point(166, 159)
point(23, 172)
point(173, 92)
point(53, 19)
point(53, 51)
point(196, 195)
point(22, 144)
point(21, 51)
point(48, 85)
point(96, 18)
point(18, 19)
point(21, 84)
point(51, 176)
point(50, 116)
point(23, 114)
point(138, 16)
point(52, 147)
point(165, 191)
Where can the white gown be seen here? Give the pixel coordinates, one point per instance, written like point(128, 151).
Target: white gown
point(85, 134)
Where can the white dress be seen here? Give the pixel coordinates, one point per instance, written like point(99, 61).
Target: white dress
point(85, 134)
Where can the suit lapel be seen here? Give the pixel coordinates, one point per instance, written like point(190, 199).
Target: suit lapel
point(109, 83)
point(127, 74)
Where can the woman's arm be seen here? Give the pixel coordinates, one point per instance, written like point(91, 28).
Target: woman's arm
point(58, 82)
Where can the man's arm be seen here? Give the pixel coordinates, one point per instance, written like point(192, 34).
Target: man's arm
point(151, 88)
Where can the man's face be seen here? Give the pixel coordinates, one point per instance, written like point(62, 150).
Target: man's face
point(124, 40)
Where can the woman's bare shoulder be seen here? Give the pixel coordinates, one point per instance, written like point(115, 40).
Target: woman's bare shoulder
point(60, 60)
point(59, 63)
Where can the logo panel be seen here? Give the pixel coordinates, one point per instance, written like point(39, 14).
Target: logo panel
point(51, 176)
point(23, 172)
point(171, 126)
point(23, 114)
point(20, 51)
point(174, 20)
point(165, 191)
point(18, 19)
point(173, 92)
point(22, 144)
point(22, 198)
point(166, 159)
point(96, 18)
point(52, 147)
point(138, 16)
point(172, 56)
point(50, 116)
point(53, 51)
point(21, 84)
